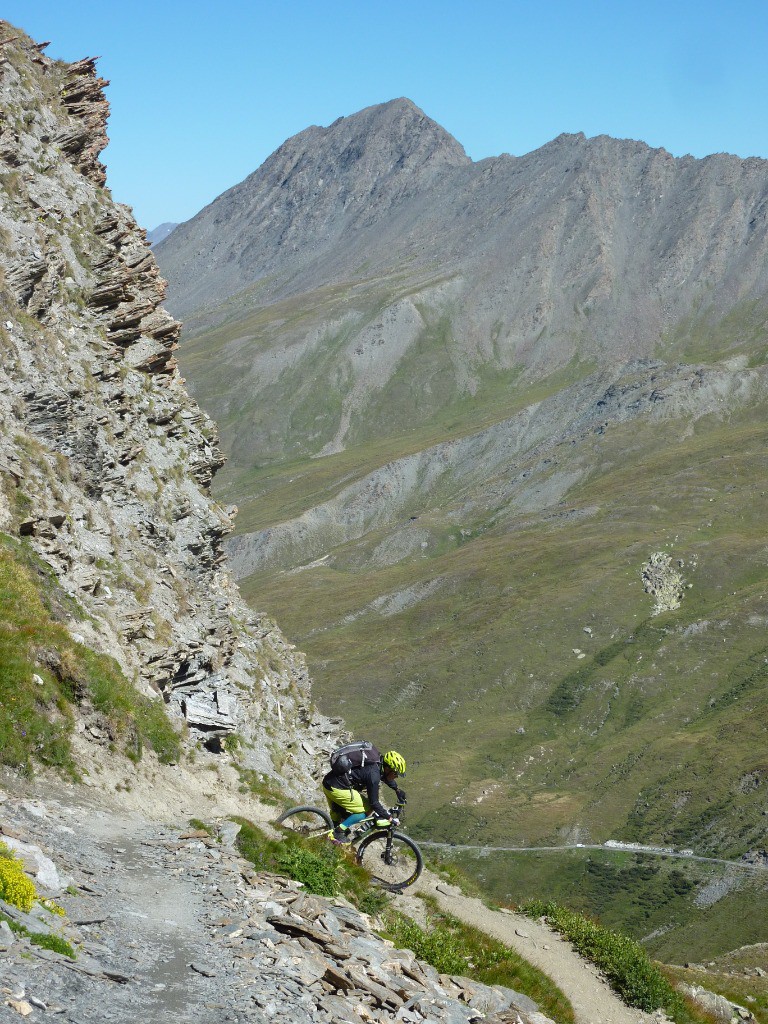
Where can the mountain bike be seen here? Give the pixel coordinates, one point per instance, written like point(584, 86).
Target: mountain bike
point(392, 859)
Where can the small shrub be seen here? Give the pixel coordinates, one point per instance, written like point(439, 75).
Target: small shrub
point(53, 907)
point(438, 946)
point(54, 942)
point(317, 867)
point(158, 731)
point(260, 785)
point(372, 901)
point(15, 887)
point(255, 846)
point(318, 870)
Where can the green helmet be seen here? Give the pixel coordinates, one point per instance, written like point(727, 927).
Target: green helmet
point(394, 761)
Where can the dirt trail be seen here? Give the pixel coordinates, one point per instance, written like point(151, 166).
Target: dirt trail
point(594, 1002)
point(161, 912)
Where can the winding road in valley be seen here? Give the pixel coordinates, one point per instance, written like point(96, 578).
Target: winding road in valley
point(645, 850)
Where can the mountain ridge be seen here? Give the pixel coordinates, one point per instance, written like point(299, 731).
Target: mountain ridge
point(453, 224)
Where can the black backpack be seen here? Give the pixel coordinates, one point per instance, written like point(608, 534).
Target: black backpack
point(353, 755)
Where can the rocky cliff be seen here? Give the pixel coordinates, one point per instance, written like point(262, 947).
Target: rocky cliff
point(106, 461)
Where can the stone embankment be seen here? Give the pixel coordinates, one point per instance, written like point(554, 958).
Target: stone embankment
point(172, 925)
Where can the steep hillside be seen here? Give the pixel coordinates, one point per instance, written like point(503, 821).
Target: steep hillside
point(121, 630)
point(478, 431)
point(115, 602)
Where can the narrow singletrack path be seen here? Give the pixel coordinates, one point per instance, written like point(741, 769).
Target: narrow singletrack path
point(593, 1000)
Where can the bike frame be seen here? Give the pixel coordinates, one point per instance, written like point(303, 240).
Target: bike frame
point(357, 831)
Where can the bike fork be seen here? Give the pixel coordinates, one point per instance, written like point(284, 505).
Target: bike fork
point(388, 849)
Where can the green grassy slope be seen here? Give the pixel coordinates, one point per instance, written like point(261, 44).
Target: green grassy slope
point(656, 733)
point(45, 674)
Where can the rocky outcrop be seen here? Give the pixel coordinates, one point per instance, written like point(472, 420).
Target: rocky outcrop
point(720, 1009)
point(83, 98)
point(105, 459)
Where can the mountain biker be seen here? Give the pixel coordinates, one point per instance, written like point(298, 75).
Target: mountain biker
point(354, 794)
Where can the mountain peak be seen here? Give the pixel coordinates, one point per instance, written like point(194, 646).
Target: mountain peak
point(319, 186)
point(388, 184)
point(396, 135)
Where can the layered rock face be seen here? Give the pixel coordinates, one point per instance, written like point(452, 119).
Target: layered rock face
point(105, 459)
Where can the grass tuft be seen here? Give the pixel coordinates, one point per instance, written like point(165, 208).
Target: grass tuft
point(44, 672)
point(321, 867)
point(53, 942)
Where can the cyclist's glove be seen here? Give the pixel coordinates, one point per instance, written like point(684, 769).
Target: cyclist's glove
point(400, 794)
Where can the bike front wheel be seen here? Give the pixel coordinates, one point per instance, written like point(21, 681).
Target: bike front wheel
point(305, 821)
point(394, 863)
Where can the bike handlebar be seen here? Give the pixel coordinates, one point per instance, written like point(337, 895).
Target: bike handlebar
point(396, 811)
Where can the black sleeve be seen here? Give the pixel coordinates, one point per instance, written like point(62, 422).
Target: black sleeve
point(392, 783)
point(372, 780)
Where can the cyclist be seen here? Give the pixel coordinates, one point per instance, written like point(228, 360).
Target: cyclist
point(354, 794)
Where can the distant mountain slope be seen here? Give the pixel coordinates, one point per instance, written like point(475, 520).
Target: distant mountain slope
point(588, 245)
point(465, 404)
point(156, 235)
point(383, 277)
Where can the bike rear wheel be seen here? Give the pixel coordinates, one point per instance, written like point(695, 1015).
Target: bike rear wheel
point(306, 821)
point(393, 866)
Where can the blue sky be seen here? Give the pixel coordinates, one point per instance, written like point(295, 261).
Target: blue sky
point(202, 93)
